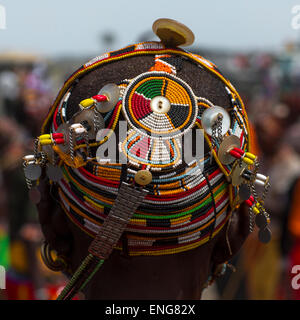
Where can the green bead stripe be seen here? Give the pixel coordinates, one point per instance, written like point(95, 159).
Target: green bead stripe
point(151, 88)
point(207, 201)
point(162, 217)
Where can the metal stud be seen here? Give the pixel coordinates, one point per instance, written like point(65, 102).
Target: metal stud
point(143, 177)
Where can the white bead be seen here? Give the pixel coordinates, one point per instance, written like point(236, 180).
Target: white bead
point(80, 130)
point(29, 157)
point(76, 125)
point(259, 182)
point(261, 177)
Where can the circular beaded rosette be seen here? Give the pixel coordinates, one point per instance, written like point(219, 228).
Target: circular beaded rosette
point(179, 117)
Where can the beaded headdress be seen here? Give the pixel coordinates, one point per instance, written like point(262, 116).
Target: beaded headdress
point(117, 156)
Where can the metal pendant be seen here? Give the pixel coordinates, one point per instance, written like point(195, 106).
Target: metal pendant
point(244, 192)
point(54, 173)
point(261, 220)
point(32, 172)
point(88, 115)
point(34, 195)
point(237, 173)
point(112, 92)
point(265, 235)
point(209, 117)
point(227, 144)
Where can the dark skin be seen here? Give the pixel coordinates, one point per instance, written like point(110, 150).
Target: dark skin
point(179, 276)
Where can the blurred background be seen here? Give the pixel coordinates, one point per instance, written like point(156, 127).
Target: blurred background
point(256, 44)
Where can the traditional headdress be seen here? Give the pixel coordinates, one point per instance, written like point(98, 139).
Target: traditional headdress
point(147, 188)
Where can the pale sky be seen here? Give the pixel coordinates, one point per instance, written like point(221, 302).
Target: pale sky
point(56, 27)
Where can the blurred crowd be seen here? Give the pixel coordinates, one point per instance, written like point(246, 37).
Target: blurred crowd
point(26, 92)
point(269, 85)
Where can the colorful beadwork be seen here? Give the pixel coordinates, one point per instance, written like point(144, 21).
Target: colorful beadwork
point(136, 105)
point(186, 204)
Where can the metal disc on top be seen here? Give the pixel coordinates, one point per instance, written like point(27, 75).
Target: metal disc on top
point(228, 144)
point(210, 116)
point(173, 33)
point(112, 92)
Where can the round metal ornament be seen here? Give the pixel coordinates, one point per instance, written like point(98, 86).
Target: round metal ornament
point(54, 173)
point(265, 235)
point(210, 116)
point(112, 92)
point(32, 172)
point(228, 144)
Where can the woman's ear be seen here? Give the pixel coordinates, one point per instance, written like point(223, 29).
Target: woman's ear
point(233, 236)
point(53, 220)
